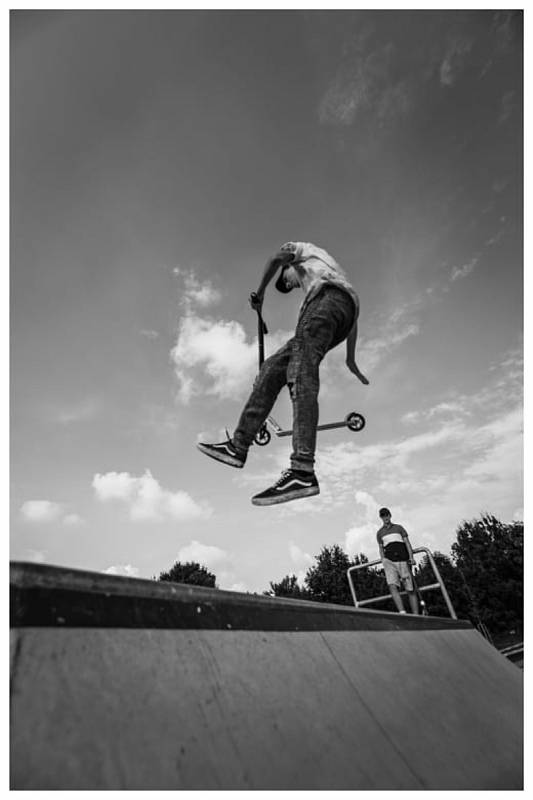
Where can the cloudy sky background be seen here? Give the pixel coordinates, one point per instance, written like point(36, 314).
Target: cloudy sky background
point(158, 159)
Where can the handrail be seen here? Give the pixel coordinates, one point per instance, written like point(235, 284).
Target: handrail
point(439, 585)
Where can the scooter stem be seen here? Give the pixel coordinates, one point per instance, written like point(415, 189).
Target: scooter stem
point(261, 330)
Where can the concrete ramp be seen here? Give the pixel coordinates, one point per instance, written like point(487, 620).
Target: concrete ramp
point(119, 683)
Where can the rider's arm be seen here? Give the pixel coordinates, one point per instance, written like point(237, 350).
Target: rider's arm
point(281, 258)
point(380, 545)
point(351, 341)
point(405, 537)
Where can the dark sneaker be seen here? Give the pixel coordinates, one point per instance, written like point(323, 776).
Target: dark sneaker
point(225, 452)
point(292, 485)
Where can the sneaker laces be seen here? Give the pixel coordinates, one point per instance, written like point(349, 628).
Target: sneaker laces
point(284, 475)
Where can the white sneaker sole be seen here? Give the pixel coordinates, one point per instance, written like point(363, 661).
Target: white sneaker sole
point(225, 458)
point(284, 498)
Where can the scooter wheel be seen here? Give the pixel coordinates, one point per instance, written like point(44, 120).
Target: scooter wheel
point(262, 437)
point(355, 422)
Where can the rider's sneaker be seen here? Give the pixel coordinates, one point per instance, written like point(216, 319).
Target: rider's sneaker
point(292, 485)
point(225, 452)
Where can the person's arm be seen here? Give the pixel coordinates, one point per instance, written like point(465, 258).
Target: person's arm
point(351, 342)
point(405, 537)
point(380, 545)
point(281, 258)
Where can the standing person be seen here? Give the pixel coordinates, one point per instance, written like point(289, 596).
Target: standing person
point(328, 316)
point(397, 558)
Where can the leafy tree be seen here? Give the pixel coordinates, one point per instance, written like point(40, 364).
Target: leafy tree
point(327, 581)
point(190, 572)
point(489, 557)
point(435, 602)
point(288, 587)
point(369, 582)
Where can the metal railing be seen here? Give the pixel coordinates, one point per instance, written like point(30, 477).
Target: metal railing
point(438, 585)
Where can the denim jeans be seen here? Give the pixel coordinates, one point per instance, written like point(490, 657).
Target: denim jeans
point(323, 324)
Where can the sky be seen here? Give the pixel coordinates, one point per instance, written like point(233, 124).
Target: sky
point(157, 160)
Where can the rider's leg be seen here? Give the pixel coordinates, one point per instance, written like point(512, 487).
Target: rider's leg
point(271, 379)
point(325, 322)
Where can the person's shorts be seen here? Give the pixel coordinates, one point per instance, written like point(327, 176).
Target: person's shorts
point(396, 572)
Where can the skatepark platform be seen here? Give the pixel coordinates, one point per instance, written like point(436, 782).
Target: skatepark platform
point(121, 683)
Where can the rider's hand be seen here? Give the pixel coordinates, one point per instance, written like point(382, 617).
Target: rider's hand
point(256, 301)
point(352, 366)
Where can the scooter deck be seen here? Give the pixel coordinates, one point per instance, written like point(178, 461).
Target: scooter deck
point(278, 430)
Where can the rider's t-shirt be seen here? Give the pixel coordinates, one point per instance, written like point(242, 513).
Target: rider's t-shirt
point(316, 269)
point(392, 539)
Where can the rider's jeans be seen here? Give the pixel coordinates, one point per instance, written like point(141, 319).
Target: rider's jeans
point(323, 324)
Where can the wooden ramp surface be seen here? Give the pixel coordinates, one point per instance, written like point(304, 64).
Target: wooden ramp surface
point(119, 683)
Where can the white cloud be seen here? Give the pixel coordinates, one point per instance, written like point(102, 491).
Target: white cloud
point(38, 556)
point(466, 269)
point(114, 486)
point(82, 411)
point(238, 587)
point(213, 357)
point(41, 511)
point(146, 499)
point(196, 292)
point(46, 511)
point(149, 334)
point(454, 60)
point(205, 554)
point(366, 83)
point(123, 569)
point(73, 520)
point(361, 537)
point(226, 362)
point(371, 351)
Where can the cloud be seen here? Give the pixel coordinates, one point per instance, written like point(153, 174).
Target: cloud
point(149, 334)
point(82, 411)
point(466, 269)
point(302, 561)
point(73, 520)
point(238, 587)
point(146, 500)
point(207, 555)
point(41, 511)
point(194, 291)
point(38, 556)
point(213, 357)
point(508, 103)
point(361, 537)
point(454, 60)
point(47, 511)
point(123, 569)
point(367, 83)
point(114, 486)
point(371, 351)
point(217, 560)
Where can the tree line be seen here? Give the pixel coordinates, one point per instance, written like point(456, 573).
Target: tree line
point(483, 576)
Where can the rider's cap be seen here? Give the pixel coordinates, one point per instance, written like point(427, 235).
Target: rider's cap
point(281, 286)
point(384, 512)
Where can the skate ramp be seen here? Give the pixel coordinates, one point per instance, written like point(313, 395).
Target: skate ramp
point(119, 683)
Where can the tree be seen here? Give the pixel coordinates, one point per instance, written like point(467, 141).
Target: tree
point(489, 557)
point(288, 587)
point(370, 582)
point(434, 600)
point(327, 581)
point(190, 572)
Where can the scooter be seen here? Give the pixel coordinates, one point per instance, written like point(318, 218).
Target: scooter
point(354, 421)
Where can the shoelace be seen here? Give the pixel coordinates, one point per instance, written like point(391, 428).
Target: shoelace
point(284, 475)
